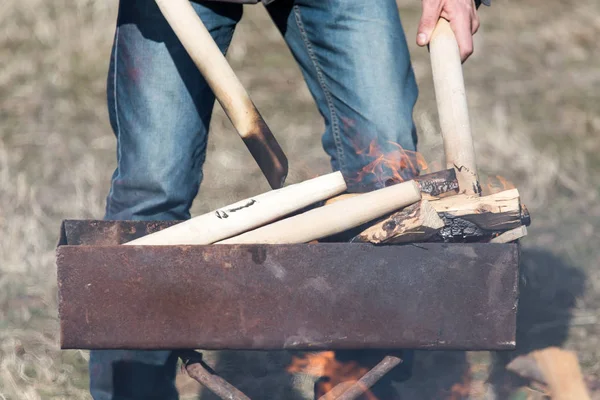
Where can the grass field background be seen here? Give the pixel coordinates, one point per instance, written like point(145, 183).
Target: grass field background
point(533, 86)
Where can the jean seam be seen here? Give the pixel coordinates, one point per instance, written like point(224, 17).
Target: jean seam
point(117, 123)
point(322, 83)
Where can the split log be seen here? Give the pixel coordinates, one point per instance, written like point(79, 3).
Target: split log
point(456, 218)
point(510, 236)
point(557, 368)
point(438, 184)
point(333, 218)
point(247, 214)
point(474, 217)
point(415, 223)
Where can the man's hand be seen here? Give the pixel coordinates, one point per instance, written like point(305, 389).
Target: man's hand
point(463, 18)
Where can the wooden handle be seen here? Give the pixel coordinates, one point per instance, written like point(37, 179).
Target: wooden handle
point(247, 214)
point(213, 65)
point(228, 90)
point(452, 107)
point(333, 218)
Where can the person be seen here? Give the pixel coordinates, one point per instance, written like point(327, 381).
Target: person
point(354, 58)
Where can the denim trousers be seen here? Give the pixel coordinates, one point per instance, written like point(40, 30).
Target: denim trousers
point(354, 58)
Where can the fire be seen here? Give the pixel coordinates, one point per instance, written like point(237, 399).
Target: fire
point(461, 390)
point(331, 372)
point(496, 184)
point(386, 167)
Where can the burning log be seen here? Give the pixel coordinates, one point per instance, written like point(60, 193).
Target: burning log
point(415, 223)
point(459, 217)
point(247, 214)
point(438, 184)
point(335, 217)
point(468, 217)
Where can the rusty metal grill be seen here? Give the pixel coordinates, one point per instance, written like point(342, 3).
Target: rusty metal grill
point(265, 297)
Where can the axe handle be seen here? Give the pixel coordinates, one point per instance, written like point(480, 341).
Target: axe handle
point(211, 62)
point(452, 107)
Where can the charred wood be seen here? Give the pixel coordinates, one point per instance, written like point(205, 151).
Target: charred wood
point(415, 223)
point(462, 218)
point(474, 218)
point(198, 370)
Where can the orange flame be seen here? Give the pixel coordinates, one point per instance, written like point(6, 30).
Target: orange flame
point(387, 164)
point(496, 184)
point(397, 165)
point(324, 365)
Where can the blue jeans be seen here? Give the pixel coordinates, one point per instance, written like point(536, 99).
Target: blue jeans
point(354, 58)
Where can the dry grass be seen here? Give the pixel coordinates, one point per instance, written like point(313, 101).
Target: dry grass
point(534, 91)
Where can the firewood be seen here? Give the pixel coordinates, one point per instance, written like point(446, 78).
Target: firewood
point(510, 236)
point(247, 214)
point(467, 217)
point(415, 223)
point(557, 368)
point(433, 186)
point(438, 184)
point(460, 217)
point(333, 218)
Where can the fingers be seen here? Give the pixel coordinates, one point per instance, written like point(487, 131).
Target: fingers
point(474, 18)
point(429, 18)
point(462, 27)
point(463, 18)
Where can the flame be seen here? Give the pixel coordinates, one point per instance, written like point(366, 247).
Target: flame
point(384, 167)
point(495, 184)
point(461, 390)
point(324, 365)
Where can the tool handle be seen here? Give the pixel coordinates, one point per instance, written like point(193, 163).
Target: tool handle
point(211, 62)
point(452, 107)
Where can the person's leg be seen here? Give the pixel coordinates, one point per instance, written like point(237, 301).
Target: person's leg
point(160, 109)
point(355, 60)
point(356, 63)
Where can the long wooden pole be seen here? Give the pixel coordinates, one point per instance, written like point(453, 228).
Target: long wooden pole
point(247, 214)
point(229, 91)
point(333, 218)
point(452, 107)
